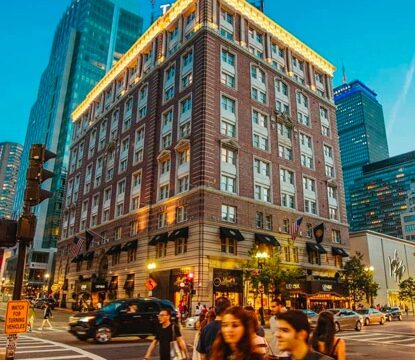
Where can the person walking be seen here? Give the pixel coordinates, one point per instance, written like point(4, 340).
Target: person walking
point(324, 339)
point(200, 325)
point(209, 333)
point(235, 340)
point(47, 314)
point(293, 331)
point(259, 333)
point(31, 317)
point(277, 307)
point(167, 333)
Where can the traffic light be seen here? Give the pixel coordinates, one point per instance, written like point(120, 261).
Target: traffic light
point(8, 232)
point(36, 174)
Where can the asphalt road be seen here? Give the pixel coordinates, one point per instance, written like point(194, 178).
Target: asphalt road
point(394, 340)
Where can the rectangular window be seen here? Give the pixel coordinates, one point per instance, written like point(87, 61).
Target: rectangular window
point(164, 192)
point(268, 222)
point(180, 246)
point(228, 183)
point(228, 79)
point(288, 200)
point(181, 214)
point(262, 193)
point(228, 246)
point(161, 250)
point(336, 237)
point(228, 213)
point(228, 57)
point(260, 142)
point(119, 210)
point(259, 220)
point(228, 156)
point(285, 152)
point(228, 104)
point(227, 128)
point(183, 184)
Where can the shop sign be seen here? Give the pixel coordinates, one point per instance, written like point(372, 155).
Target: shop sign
point(37, 265)
point(293, 286)
point(227, 280)
point(327, 287)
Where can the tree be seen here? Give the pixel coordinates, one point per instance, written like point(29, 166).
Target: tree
point(359, 280)
point(407, 291)
point(273, 274)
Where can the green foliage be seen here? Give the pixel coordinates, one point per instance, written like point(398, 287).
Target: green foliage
point(407, 289)
point(358, 280)
point(273, 275)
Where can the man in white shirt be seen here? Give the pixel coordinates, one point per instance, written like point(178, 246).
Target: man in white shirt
point(277, 307)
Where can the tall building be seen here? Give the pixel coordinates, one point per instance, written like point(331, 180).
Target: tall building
point(10, 154)
point(361, 127)
point(90, 37)
point(408, 217)
point(207, 140)
point(379, 196)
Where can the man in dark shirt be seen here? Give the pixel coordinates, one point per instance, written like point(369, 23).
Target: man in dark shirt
point(292, 332)
point(210, 331)
point(167, 333)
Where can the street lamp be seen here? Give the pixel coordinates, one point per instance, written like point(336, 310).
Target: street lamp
point(261, 257)
point(47, 276)
point(370, 269)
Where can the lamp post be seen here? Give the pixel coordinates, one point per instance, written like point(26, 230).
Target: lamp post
point(261, 257)
point(370, 270)
point(47, 276)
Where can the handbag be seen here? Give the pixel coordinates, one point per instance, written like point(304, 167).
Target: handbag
point(176, 353)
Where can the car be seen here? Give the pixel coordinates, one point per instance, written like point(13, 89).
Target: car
point(190, 322)
point(372, 316)
point(312, 317)
point(125, 317)
point(40, 303)
point(346, 319)
point(392, 313)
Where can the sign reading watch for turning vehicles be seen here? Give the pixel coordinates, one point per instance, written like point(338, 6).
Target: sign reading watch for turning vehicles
point(16, 317)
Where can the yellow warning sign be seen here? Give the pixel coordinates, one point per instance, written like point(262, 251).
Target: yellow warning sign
point(16, 317)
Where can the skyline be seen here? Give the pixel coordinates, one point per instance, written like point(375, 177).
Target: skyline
point(370, 52)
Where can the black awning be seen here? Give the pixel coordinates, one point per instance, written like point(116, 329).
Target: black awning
point(89, 255)
point(132, 244)
point(113, 283)
point(315, 247)
point(182, 233)
point(129, 282)
point(115, 249)
point(78, 258)
point(163, 237)
point(339, 251)
point(266, 239)
point(231, 233)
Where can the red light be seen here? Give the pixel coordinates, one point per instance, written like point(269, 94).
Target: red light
point(190, 276)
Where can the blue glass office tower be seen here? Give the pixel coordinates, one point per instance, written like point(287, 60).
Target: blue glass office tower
point(379, 196)
point(361, 128)
point(91, 35)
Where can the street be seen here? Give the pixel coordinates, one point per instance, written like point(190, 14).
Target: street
point(393, 340)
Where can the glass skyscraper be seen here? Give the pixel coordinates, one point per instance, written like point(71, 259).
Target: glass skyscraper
point(361, 128)
point(379, 196)
point(90, 37)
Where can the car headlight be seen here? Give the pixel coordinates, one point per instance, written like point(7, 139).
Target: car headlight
point(86, 318)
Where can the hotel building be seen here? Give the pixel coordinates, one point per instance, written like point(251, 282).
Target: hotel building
point(210, 136)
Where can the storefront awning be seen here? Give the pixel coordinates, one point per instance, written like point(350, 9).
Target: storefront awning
point(113, 283)
point(315, 247)
point(132, 244)
point(88, 256)
point(129, 282)
point(266, 239)
point(231, 233)
point(182, 233)
point(339, 251)
point(78, 258)
point(115, 249)
point(163, 237)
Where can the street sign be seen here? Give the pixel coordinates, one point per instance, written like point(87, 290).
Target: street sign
point(16, 317)
point(11, 346)
point(150, 284)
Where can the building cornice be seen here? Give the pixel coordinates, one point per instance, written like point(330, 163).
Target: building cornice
point(253, 15)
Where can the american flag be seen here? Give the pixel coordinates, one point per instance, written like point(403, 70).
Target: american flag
point(295, 226)
point(77, 245)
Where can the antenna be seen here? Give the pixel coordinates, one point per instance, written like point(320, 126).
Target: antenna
point(344, 74)
point(153, 3)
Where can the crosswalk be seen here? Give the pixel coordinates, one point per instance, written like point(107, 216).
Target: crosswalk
point(380, 338)
point(33, 348)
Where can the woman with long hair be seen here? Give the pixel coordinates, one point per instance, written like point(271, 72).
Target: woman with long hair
point(324, 337)
point(235, 338)
point(200, 324)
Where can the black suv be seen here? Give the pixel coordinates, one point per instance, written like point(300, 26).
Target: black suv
point(125, 317)
point(392, 313)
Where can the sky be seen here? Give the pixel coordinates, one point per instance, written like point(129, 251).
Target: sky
point(373, 39)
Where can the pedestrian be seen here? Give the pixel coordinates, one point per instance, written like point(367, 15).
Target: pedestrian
point(31, 316)
point(277, 307)
point(406, 310)
point(324, 337)
point(47, 314)
point(235, 338)
point(204, 310)
point(209, 333)
point(260, 343)
point(293, 333)
point(197, 310)
point(166, 334)
point(200, 325)
point(259, 329)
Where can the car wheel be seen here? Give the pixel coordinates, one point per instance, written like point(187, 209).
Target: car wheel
point(358, 326)
point(337, 327)
point(82, 337)
point(143, 336)
point(388, 318)
point(382, 321)
point(367, 322)
point(400, 317)
point(103, 334)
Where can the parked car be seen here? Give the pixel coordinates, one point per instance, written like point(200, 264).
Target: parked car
point(40, 303)
point(392, 313)
point(346, 319)
point(190, 322)
point(126, 317)
point(372, 316)
point(312, 317)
